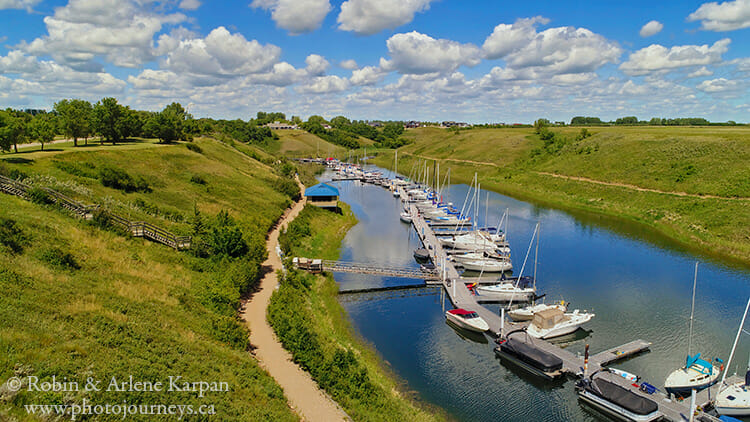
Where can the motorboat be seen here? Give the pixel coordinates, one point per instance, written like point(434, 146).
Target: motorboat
point(527, 313)
point(422, 255)
point(734, 399)
point(405, 217)
point(466, 319)
point(554, 323)
point(487, 265)
point(613, 399)
point(523, 290)
point(519, 348)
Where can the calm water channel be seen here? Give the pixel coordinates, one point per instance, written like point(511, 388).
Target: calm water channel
point(637, 288)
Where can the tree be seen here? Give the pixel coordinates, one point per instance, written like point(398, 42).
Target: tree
point(340, 122)
point(316, 119)
point(109, 119)
point(540, 124)
point(42, 129)
point(169, 125)
point(12, 129)
point(75, 118)
point(393, 130)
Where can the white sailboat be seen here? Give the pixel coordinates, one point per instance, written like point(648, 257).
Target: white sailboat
point(734, 399)
point(697, 374)
point(506, 291)
point(487, 265)
point(555, 323)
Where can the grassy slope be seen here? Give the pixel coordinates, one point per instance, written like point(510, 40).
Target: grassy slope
point(704, 161)
point(300, 143)
point(334, 330)
point(134, 307)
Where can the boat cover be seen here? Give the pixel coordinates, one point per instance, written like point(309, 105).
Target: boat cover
point(460, 311)
point(532, 355)
point(622, 397)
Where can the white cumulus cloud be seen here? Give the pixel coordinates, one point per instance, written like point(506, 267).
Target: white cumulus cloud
point(296, 16)
point(367, 17)
point(555, 50)
point(651, 28)
point(418, 53)
point(190, 4)
point(220, 53)
point(508, 38)
point(350, 64)
point(726, 16)
point(325, 85)
point(703, 71)
point(368, 75)
point(719, 85)
point(316, 64)
point(656, 57)
point(18, 4)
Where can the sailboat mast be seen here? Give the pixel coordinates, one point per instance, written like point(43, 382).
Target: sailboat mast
point(736, 339)
point(536, 252)
point(692, 311)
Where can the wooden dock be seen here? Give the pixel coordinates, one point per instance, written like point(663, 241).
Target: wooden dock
point(360, 268)
point(573, 365)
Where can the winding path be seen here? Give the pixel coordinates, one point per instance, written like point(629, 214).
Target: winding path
point(304, 395)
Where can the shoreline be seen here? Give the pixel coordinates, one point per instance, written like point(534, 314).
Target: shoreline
point(669, 238)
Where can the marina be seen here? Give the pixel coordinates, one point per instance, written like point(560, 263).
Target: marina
point(454, 288)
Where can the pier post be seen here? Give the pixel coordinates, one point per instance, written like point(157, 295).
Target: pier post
point(502, 321)
point(586, 360)
point(691, 418)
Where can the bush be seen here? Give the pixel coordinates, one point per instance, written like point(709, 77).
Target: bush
point(198, 179)
point(59, 259)
point(39, 196)
point(11, 236)
point(286, 186)
point(119, 179)
point(193, 147)
point(77, 169)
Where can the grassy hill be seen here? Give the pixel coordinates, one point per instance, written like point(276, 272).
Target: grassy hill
point(86, 301)
point(300, 143)
point(649, 170)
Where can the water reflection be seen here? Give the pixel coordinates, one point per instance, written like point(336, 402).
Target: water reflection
point(637, 288)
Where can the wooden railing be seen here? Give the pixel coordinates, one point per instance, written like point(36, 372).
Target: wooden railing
point(135, 228)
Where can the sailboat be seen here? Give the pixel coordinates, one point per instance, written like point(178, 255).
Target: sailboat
point(396, 192)
point(697, 374)
point(734, 399)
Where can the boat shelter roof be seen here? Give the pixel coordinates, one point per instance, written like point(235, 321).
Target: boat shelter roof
point(321, 189)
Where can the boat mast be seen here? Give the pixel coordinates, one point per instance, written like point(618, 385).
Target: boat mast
point(692, 310)
point(736, 339)
point(536, 252)
point(520, 274)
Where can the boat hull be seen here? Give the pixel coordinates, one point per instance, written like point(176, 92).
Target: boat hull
point(738, 405)
point(524, 296)
point(475, 326)
point(614, 410)
point(678, 383)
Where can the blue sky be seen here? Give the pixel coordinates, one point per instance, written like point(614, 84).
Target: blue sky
point(475, 61)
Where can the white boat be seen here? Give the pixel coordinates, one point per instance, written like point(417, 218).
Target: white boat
point(627, 375)
point(487, 265)
point(405, 217)
point(697, 374)
point(396, 193)
point(554, 323)
point(506, 291)
point(734, 399)
point(469, 320)
point(527, 313)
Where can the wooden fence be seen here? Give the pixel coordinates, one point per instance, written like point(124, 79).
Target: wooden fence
point(135, 228)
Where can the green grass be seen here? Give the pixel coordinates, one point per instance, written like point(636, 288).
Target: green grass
point(363, 386)
point(133, 307)
point(696, 160)
point(300, 143)
point(308, 173)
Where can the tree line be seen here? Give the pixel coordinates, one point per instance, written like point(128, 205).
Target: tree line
point(655, 121)
point(346, 132)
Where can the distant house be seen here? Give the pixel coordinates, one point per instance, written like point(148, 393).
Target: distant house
point(323, 196)
point(411, 124)
point(375, 124)
point(326, 126)
point(279, 126)
point(455, 124)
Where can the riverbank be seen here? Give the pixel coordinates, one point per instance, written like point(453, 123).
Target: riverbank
point(313, 325)
point(703, 212)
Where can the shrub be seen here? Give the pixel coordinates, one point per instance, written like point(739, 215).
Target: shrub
point(228, 241)
point(198, 179)
point(11, 236)
point(193, 147)
point(119, 179)
point(286, 186)
point(77, 169)
point(59, 259)
point(39, 196)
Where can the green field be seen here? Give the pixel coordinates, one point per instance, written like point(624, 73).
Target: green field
point(299, 143)
point(694, 181)
point(81, 301)
point(312, 324)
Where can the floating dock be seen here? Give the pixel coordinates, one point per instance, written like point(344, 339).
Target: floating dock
point(461, 296)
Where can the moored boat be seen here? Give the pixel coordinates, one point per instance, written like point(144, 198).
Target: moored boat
point(697, 374)
point(554, 323)
point(527, 313)
point(405, 217)
point(520, 349)
point(616, 400)
point(466, 319)
point(506, 291)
